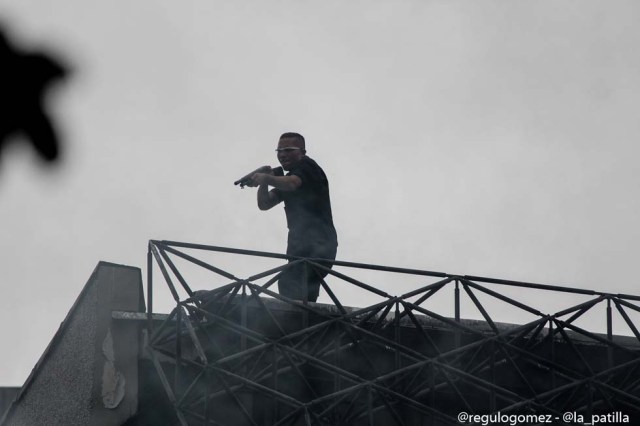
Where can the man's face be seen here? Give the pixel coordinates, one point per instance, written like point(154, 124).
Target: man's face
point(290, 152)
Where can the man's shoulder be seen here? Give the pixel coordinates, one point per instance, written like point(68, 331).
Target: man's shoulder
point(310, 163)
point(305, 164)
point(308, 170)
point(308, 160)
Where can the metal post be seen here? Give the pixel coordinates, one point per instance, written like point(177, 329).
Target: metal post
point(149, 290)
point(609, 333)
point(590, 401)
point(275, 384)
point(457, 312)
point(176, 379)
point(305, 282)
point(370, 404)
point(336, 360)
point(432, 391)
point(396, 324)
point(207, 391)
point(243, 317)
point(552, 353)
point(492, 393)
point(305, 301)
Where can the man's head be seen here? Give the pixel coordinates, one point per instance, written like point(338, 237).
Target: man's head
point(290, 149)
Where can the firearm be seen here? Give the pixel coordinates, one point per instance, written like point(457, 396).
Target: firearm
point(244, 180)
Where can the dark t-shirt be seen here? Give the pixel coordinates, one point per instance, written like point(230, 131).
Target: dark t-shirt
point(308, 209)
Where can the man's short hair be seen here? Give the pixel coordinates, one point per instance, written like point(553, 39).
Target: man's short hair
point(294, 135)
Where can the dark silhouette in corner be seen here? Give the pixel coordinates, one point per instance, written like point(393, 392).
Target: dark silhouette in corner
point(24, 79)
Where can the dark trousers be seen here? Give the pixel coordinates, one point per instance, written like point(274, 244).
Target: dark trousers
point(291, 282)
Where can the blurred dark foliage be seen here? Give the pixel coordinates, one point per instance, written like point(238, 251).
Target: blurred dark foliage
point(24, 80)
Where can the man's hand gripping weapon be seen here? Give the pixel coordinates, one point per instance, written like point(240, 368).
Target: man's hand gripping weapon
point(246, 179)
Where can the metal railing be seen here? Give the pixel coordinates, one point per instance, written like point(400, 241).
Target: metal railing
point(243, 354)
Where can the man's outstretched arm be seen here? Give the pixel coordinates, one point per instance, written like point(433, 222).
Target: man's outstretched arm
point(283, 183)
point(268, 199)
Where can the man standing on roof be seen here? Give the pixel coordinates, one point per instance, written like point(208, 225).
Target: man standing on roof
point(305, 192)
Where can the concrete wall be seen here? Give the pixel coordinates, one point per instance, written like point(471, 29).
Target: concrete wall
point(7, 395)
point(88, 374)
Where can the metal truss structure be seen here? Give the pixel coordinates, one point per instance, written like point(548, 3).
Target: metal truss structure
point(241, 354)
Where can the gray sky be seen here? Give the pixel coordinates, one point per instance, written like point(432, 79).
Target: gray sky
point(489, 138)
